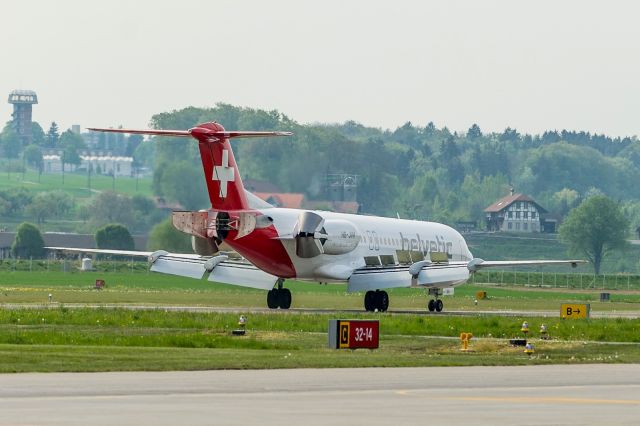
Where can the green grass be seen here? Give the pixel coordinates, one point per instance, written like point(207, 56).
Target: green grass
point(75, 184)
point(59, 338)
point(142, 287)
point(106, 340)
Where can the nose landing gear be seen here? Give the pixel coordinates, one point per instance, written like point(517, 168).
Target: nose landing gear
point(435, 304)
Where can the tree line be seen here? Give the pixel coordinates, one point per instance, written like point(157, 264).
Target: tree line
point(415, 171)
point(422, 172)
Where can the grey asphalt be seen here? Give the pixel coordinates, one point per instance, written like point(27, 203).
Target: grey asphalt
point(532, 395)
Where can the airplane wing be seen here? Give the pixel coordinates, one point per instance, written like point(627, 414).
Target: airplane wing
point(419, 274)
point(431, 274)
point(477, 263)
point(219, 268)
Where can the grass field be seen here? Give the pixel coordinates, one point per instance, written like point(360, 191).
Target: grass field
point(75, 184)
point(105, 339)
point(157, 289)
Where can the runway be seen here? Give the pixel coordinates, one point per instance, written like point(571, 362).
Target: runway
point(630, 314)
point(532, 395)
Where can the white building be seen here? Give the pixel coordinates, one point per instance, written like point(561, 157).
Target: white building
point(99, 164)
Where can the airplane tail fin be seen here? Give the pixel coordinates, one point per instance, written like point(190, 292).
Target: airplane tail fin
point(226, 191)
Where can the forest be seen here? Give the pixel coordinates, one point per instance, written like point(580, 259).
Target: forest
point(417, 171)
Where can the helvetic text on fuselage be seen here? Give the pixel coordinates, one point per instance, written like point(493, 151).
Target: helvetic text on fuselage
point(419, 244)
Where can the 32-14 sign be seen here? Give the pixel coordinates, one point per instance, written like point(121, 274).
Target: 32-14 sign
point(354, 334)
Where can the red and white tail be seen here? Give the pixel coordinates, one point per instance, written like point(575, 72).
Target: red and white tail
point(224, 184)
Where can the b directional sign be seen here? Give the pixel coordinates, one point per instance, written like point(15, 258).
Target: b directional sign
point(575, 310)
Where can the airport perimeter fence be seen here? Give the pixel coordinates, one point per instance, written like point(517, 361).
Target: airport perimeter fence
point(132, 265)
point(491, 277)
point(619, 281)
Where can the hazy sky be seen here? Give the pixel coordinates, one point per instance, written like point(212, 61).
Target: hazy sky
point(531, 65)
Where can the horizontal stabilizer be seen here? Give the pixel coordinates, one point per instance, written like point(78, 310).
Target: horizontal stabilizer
point(177, 133)
point(196, 131)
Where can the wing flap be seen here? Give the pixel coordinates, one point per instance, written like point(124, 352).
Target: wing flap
point(374, 279)
point(184, 267)
point(443, 275)
point(242, 274)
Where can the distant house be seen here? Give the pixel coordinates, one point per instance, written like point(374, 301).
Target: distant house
point(516, 213)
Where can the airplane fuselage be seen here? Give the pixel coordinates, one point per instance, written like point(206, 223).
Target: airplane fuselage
point(350, 242)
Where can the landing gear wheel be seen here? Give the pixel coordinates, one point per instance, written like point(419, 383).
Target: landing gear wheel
point(279, 298)
point(272, 299)
point(382, 300)
point(439, 305)
point(370, 301)
point(284, 298)
point(432, 305)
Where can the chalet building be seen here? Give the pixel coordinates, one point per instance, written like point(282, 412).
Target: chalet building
point(516, 213)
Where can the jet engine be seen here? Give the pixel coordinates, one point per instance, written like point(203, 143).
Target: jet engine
point(315, 235)
point(342, 236)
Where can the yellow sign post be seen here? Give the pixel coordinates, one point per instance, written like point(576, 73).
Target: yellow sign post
point(575, 310)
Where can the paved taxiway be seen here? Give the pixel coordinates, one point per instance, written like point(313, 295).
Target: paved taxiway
point(532, 395)
point(631, 314)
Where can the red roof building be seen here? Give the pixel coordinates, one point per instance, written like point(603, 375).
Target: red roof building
point(291, 200)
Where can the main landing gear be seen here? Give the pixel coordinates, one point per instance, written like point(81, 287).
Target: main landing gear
point(279, 297)
point(376, 300)
point(435, 304)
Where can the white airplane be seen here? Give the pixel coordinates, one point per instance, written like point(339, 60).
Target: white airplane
point(369, 253)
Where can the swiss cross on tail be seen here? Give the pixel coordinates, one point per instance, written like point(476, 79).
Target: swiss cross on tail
point(224, 173)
